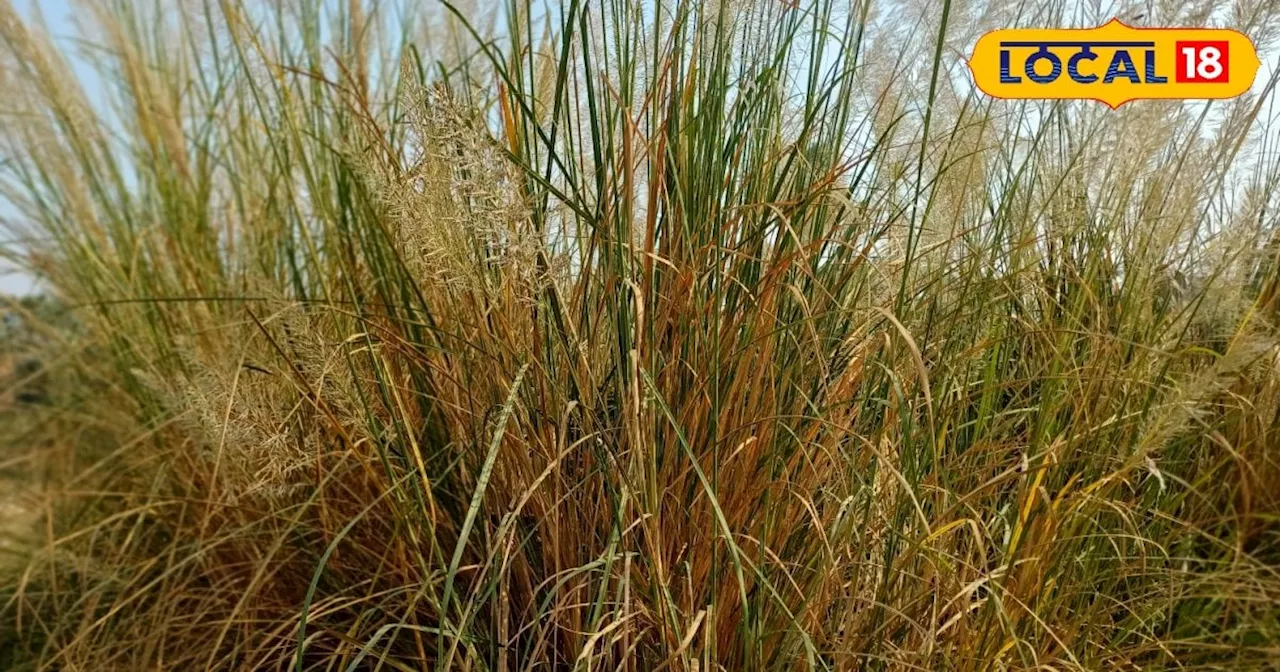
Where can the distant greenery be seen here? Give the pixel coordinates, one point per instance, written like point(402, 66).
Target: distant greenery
point(22, 318)
point(636, 335)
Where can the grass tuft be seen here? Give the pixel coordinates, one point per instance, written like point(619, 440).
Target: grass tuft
point(629, 335)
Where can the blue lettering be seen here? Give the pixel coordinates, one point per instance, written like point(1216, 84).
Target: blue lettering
point(1121, 66)
point(1073, 66)
point(1043, 55)
point(1005, 77)
point(1151, 76)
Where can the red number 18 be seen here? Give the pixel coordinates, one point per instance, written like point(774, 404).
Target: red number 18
point(1202, 62)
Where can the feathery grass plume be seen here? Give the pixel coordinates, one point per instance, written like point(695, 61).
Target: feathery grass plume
point(455, 208)
point(633, 335)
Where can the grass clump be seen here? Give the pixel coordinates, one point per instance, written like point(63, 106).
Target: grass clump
point(614, 335)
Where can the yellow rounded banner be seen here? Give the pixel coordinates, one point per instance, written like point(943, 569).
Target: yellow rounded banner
point(1114, 63)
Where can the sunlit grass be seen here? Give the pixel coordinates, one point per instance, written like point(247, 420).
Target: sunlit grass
point(614, 335)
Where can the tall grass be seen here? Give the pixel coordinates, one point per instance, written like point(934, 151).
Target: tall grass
point(636, 335)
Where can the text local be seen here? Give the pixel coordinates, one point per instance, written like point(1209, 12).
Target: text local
point(1120, 67)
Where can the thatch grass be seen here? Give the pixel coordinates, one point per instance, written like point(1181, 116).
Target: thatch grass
point(615, 335)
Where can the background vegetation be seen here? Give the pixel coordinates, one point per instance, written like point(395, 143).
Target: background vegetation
point(633, 335)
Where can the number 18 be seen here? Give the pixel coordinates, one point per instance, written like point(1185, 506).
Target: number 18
point(1202, 62)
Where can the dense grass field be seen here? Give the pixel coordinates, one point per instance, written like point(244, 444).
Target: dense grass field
point(630, 335)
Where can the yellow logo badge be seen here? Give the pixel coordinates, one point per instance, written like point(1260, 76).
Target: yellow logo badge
point(1114, 63)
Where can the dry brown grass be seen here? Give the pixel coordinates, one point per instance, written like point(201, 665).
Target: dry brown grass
point(519, 362)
